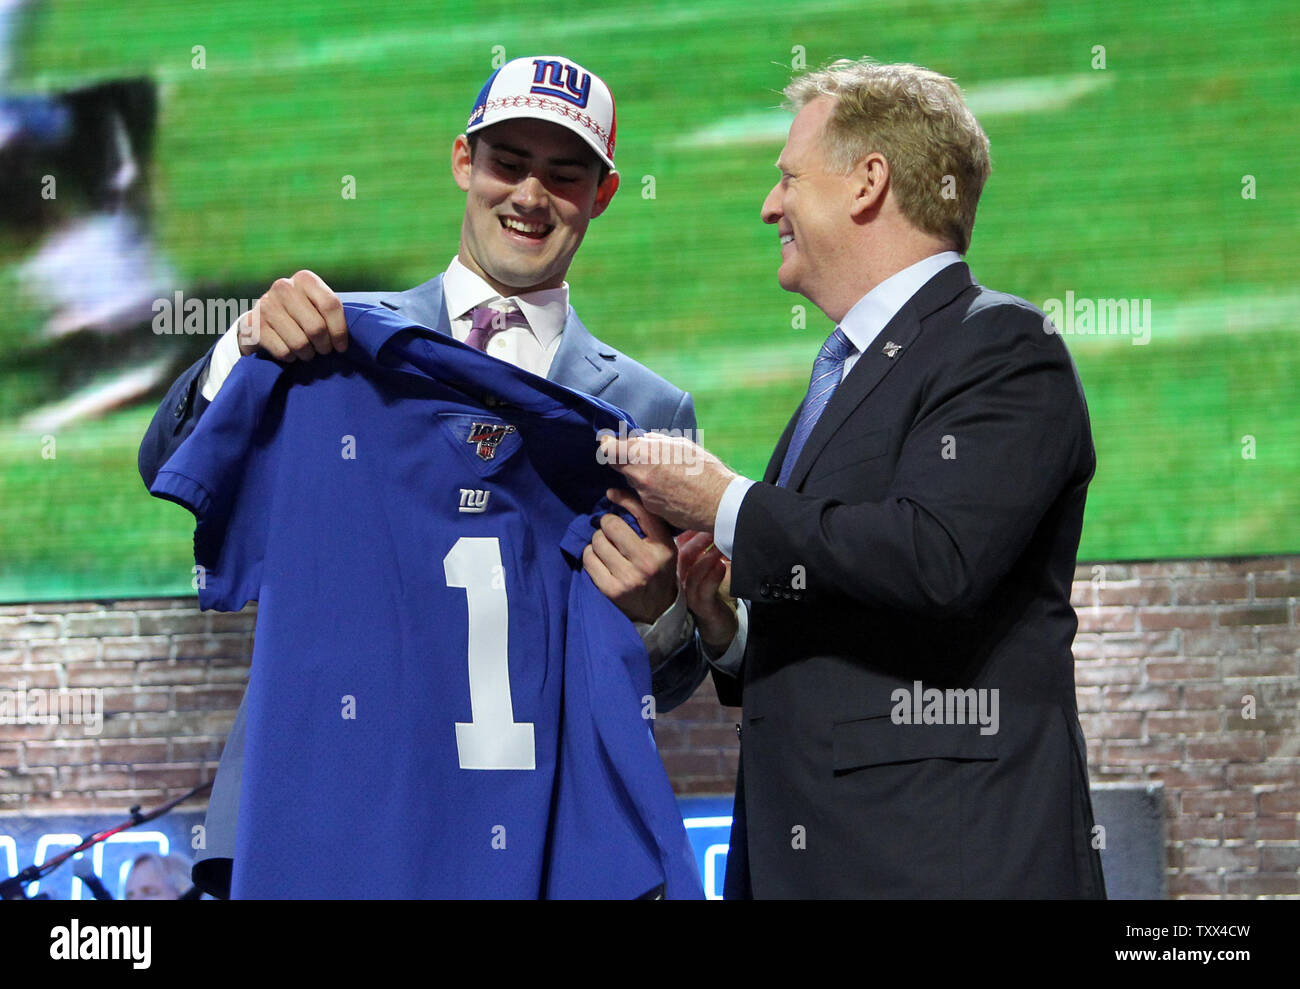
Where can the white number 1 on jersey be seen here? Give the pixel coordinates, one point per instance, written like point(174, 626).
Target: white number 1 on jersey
point(493, 740)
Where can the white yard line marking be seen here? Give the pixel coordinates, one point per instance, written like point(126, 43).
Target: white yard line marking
point(1037, 94)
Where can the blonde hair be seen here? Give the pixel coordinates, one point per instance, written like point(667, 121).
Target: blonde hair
point(937, 152)
point(175, 869)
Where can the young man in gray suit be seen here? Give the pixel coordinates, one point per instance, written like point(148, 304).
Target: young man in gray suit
point(536, 163)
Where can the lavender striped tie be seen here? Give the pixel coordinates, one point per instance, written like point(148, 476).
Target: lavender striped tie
point(487, 322)
point(825, 378)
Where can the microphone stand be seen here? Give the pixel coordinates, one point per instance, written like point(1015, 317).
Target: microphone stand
point(14, 887)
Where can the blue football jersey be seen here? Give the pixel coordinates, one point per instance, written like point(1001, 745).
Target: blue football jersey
point(441, 703)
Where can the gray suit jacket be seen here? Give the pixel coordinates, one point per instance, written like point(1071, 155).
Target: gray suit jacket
point(582, 362)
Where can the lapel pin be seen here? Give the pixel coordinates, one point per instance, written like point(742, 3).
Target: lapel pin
point(891, 348)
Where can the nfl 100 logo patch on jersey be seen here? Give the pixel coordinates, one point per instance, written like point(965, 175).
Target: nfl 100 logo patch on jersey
point(441, 703)
point(487, 436)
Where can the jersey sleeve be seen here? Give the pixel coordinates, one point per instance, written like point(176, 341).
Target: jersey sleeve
point(610, 770)
point(221, 474)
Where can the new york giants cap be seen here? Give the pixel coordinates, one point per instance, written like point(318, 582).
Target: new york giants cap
point(551, 88)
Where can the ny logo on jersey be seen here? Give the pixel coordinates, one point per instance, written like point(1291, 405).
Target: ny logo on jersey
point(576, 88)
point(488, 436)
point(474, 500)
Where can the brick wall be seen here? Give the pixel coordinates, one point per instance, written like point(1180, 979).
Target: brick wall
point(171, 678)
point(1170, 656)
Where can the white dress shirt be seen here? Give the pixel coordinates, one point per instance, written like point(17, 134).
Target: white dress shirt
point(530, 347)
point(861, 324)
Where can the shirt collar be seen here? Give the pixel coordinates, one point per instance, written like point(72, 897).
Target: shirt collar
point(872, 313)
point(546, 311)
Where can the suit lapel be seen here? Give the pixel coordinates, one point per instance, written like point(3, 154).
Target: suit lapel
point(582, 362)
point(890, 348)
point(423, 305)
point(778, 455)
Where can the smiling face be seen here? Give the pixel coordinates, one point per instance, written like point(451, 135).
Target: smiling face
point(531, 189)
point(811, 208)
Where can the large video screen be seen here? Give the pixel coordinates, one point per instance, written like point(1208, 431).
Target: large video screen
point(164, 162)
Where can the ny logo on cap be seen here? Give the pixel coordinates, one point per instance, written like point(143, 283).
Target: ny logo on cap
point(576, 86)
point(488, 436)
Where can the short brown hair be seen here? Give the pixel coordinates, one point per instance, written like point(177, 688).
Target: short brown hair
point(937, 152)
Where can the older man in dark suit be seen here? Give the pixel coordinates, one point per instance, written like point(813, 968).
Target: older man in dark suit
point(909, 724)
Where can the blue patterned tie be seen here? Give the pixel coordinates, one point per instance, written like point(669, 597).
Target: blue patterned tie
point(825, 377)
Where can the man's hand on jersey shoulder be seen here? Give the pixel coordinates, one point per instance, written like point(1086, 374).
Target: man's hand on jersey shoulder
point(705, 576)
point(296, 319)
point(678, 480)
point(638, 575)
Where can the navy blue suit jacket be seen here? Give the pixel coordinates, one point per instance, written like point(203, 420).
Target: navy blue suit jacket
point(925, 541)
